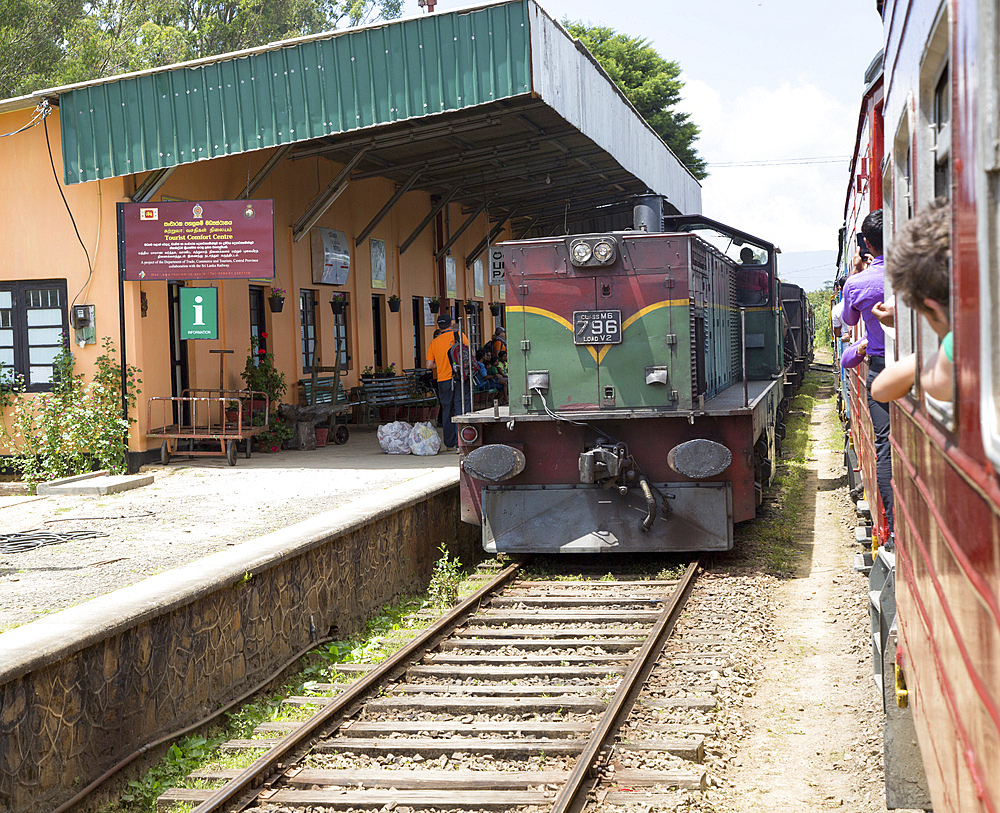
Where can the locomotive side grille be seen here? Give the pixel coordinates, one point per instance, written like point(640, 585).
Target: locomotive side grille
point(735, 362)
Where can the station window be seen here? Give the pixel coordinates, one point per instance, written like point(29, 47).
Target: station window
point(33, 325)
point(988, 225)
point(258, 325)
point(307, 329)
point(418, 331)
point(476, 329)
point(341, 338)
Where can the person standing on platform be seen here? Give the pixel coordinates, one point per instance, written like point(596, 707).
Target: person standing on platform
point(448, 389)
point(862, 291)
point(498, 344)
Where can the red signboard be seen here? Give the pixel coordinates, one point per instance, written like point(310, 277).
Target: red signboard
point(213, 239)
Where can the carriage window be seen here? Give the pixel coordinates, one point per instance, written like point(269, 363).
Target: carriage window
point(988, 221)
point(941, 128)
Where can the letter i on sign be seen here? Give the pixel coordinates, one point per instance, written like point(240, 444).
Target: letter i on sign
point(199, 311)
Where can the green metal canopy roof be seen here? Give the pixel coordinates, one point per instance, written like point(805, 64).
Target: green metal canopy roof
point(299, 91)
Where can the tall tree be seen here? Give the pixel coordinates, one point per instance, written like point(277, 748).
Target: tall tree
point(49, 42)
point(650, 82)
point(30, 35)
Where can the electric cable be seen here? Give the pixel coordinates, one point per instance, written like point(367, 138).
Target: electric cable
point(36, 117)
point(55, 175)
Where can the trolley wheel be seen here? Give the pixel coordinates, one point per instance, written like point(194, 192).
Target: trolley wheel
point(165, 452)
point(249, 448)
point(341, 434)
point(231, 452)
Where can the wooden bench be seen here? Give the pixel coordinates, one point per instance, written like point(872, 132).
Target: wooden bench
point(397, 398)
point(317, 390)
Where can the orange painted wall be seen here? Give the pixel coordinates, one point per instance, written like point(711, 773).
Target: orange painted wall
point(39, 242)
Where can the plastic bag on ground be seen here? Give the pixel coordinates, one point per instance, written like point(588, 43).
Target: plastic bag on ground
point(394, 438)
point(424, 439)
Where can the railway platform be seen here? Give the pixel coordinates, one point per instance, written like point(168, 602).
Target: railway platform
point(193, 508)
point(160, 603)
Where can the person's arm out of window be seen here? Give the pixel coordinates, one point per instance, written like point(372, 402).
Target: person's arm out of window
point(896, 380)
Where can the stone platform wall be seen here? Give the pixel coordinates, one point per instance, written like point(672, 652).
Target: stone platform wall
point(82, 689)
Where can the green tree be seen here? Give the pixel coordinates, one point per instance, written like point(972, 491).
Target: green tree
point(50, 42)
point(650, 82)
point(821, 302)
point(30, 35)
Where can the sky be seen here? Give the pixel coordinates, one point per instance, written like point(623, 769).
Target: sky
point(765, 80)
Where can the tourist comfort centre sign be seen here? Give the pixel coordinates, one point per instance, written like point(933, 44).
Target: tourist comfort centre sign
point(182, 240)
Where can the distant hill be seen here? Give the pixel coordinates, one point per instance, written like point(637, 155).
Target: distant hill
point(810, 269)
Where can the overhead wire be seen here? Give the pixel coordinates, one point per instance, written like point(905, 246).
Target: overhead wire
point(779, 162)
point(35, 119)
point(55, 175)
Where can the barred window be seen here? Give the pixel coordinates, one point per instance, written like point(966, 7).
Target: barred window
point(33, 326)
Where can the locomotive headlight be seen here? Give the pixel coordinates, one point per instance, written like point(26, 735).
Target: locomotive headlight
point(581, 253)
point(604, 252)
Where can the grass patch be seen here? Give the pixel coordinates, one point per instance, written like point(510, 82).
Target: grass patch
point(769, 541)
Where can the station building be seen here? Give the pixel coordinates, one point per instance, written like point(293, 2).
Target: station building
point(410, 147)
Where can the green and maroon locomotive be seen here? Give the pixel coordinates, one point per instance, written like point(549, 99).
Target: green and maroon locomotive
point(646, 390)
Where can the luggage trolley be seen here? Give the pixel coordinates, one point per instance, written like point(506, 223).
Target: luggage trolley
point(207, 416)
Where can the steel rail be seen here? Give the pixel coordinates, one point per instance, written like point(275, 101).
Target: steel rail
point(268, 762)
point(621, 704)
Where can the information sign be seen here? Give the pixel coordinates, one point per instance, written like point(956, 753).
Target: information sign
point(199, 313)
point(180, 240)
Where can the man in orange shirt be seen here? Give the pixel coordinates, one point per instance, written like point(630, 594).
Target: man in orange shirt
point(449, 390)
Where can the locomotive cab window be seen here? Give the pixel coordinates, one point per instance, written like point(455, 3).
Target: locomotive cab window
point(753, 275)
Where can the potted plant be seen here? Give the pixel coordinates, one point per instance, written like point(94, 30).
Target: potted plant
point(394, 303)
point(232, 411)
point(339, 302)
point(495, 308)
point(368, 372)
point(260, 374)
point(471, 306)
point(434, 304)
point(386, 372)
point(276, 299)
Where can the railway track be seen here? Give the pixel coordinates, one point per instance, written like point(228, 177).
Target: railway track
point(518, 698)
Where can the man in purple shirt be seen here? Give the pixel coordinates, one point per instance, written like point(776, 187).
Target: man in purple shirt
point(861, 291)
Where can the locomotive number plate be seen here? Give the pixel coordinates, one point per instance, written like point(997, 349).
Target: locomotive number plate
point(597, 327)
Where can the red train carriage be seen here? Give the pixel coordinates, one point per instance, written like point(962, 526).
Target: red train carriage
point(942, 131)
point(864, 195)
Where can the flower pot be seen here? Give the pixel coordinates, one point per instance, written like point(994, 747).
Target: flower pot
point(322, 435)
point(338, 305)
point(386, 414)
point(232, 415)
point(276, 303)
point(471, 307)
point(394, 305)
point(495, 308)
point(434, 306)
